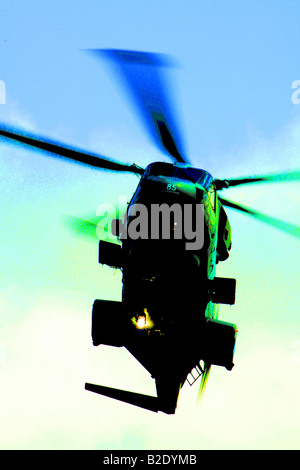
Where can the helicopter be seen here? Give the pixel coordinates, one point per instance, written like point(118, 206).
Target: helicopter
point(168, 244)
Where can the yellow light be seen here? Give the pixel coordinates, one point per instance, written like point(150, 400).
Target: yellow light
point(144, 321)
point(141, 322)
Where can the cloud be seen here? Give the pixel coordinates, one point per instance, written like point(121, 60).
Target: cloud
point(262, 154)
point(48, 357)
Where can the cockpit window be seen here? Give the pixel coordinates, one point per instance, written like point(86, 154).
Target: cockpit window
point(195, 175)
point(188, 173)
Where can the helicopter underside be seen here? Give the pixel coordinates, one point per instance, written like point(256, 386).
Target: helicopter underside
point(165, 320)
point(168, 357)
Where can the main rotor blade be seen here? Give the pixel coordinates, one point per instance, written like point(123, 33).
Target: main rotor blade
point(274, 178)
point(142, 74)
point(61, 151)
point(82, 227)
point(287, 227)
point(94, 227)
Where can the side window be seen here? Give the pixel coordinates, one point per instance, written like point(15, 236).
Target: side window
point(212, 196)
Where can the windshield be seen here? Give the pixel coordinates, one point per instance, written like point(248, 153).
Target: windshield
point(196, 175)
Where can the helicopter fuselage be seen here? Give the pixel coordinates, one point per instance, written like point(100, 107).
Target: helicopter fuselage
point(168, 315)
point(175, 232)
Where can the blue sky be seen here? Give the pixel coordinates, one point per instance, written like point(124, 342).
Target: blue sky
point(232, 88)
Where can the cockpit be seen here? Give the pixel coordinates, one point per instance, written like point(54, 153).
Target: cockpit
point(180, 171)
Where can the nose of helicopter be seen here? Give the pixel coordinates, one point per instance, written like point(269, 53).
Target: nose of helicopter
point(167, 189)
